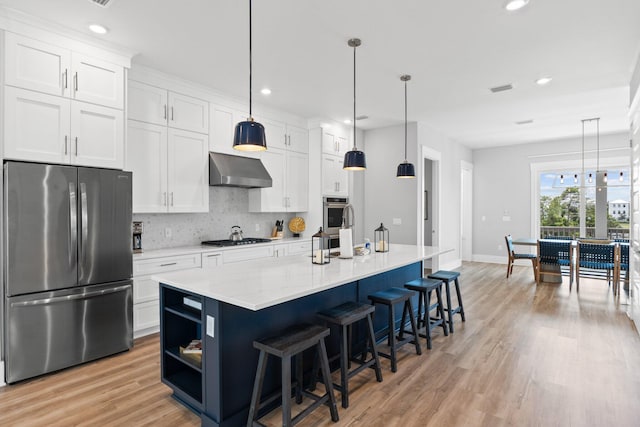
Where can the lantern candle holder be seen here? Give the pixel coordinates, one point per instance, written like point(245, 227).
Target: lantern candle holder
point(320, 248)
point(381, 238)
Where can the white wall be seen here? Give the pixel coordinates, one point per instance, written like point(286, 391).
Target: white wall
point(503, 186)
point(387, 197)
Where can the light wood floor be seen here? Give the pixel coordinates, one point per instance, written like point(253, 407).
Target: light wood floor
point(527, 356)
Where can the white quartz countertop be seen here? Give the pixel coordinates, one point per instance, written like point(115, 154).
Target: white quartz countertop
point(265, 282)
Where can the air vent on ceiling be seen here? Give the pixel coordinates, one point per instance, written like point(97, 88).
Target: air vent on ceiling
point(362, 117)
point(525, 122)
point(501, 88)
point(102, 3)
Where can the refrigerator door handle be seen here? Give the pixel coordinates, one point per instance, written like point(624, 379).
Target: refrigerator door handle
point(73, 221)
point(84, 218)
point(45, 301)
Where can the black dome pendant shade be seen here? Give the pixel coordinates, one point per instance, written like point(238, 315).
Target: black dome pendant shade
point(249, 134)
point(405, 169)
point(354, 160)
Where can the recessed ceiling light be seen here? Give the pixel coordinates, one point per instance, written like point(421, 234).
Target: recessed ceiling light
point(515, 4)
point(347, 121)
point(98, 29)
point(266, 91)
point(543, 81)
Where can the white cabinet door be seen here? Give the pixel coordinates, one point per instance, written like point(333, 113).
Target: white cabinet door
point(188, 169)
point(271, 199)
point(335, 180)
point(97, 81)
point(329, 142)
point(275, 134)
point(147, 159)
point(211, 260)
point(146, 318)
point(147, 103)
point(245, 254)
point(297, 182)
point(97, 136)
point(223, 123)
point(35, 65)
point(188, 113)
point(342, 142)
point(36, 126)
point(298, 139)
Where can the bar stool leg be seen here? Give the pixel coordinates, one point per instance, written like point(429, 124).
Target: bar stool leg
point(344, 366)
point(374, 353)
point(326, 376)
point(414, 328)
point(257, 387)
point(445, 328)
point(459, 299)
point(299, 378)
point(392, 338)
point(448, 295)
point(286, 391)
point(427, 325)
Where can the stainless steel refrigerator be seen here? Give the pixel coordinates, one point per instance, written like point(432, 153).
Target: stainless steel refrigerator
point(67, 266)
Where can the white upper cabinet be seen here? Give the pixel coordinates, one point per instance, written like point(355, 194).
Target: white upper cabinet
point(335, 180)
point(334, 142)
point(297, 139)
point(96, 81)
point(147, 159)
point(290, 190)
point(188, 171)
point(35, 65)
point(39, 66)
point(164, 107)
point(170, 169)
point(275, 133)
point(97, 134)
point(147, 103)
point(36, 126)
point(51, 129)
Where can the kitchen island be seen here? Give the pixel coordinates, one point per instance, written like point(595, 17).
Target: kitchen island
point(231, 306)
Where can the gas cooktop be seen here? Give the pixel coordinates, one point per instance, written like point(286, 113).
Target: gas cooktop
point(227, 242)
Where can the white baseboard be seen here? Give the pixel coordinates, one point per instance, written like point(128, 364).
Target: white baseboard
point(2, 373)
point(143, 332)
point(495, 259)
point(451, 265)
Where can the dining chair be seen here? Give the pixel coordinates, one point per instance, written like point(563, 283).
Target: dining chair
point(557, 256)
point(513, 256)
point(623, 264)
point(597, 261)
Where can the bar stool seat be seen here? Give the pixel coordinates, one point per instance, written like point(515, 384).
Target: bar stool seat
point(390, 297)
point(424, 287)
point(446, 277)
point(291, 343)
point(345, 315)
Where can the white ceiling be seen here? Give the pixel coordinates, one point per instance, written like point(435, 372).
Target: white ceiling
point(454, 50)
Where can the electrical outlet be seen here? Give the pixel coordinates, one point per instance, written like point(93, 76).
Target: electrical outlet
point(257, 227)
point(397, 221)
point(167, 232)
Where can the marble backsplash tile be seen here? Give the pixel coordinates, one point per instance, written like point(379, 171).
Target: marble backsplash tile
point(228, 206)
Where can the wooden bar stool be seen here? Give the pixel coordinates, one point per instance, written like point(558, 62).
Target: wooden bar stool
point(344, 316)
point(390, 298)
point(290, 343)
point(424, 287)
point(446, 277)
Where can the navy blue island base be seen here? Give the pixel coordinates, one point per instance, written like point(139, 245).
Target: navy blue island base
point(220, 389)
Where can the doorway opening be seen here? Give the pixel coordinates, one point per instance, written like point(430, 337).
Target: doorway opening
point(429, 203)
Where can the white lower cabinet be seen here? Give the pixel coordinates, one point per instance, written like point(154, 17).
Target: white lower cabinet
point(246, 254)
point(146, 316)
point(302, 247)
point(211, 259)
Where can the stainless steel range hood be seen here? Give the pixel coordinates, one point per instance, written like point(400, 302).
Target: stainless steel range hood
point(237, 171)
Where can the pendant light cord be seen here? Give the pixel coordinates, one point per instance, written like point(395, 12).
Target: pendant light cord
point(250, 62)
point(405, 120)
point(597, 145)
point(355, 147)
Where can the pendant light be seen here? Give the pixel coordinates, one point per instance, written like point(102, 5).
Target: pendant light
point(249, 135)
point(354, 160)
point(405, 169)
